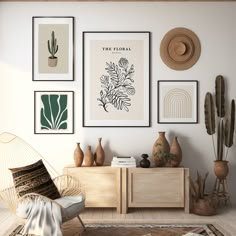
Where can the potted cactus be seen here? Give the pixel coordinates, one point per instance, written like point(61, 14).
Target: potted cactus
point(221, 123)
point(52, 48)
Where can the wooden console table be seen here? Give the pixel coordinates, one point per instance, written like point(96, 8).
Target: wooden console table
point(124, 188)
point(102, 185)
point(155, 187)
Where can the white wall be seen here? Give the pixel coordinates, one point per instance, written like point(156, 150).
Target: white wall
point(215, 25)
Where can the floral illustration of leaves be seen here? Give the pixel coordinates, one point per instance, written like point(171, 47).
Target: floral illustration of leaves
point(129, 89)
point(117, 86)
point(114, 72)
point(130, 73)
point(119, 100)
point(54, 112)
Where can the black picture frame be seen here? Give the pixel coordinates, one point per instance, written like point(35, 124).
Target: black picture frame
point(53, 112)
point(52, 48)
point(177, 101)
point(105, 52)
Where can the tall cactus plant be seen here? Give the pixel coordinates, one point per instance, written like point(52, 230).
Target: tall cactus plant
point(225, 122)
point(52, 45)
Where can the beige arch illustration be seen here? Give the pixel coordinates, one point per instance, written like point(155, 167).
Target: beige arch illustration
point(177, 104)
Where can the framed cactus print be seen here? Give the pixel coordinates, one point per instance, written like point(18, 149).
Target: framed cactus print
point(116, 77)
point(53, 112)
point(53, 48)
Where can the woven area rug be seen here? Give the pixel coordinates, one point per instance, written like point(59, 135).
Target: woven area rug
point(143, 230)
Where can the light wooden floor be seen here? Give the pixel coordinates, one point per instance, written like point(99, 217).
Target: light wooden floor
point(225, 219)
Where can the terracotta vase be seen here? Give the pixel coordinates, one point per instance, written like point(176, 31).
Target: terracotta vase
point(99, 155)
point(144, 163)
point(221, 169)
point(161, 145)
point(176, 150)
point(88, 157)
point(78, 156)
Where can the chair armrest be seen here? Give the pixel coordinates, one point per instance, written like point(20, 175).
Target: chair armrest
point(9, 198)
point(67, 185)
point(36, 196)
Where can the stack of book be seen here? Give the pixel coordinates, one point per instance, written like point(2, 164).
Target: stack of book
point(123, 162)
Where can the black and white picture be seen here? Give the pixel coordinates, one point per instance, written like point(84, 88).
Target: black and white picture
point(116, 79)
point(118, 86)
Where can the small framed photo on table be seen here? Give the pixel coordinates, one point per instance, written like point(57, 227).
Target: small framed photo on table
point(53, 48)
point(177, 101)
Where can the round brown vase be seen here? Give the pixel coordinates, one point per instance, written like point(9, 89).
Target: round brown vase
point(176, 150)
point(221, 169)
point(78, 156)
point(161, 145)
point(88, 157)
point(99, 155)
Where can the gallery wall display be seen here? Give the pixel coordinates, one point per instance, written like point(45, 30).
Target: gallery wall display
point(53, 48)
point(116, 77)
point(177, 101)
point(53, 112)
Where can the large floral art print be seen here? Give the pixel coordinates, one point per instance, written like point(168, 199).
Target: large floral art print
point(116, 79)
point(117, 87)
point(53, 112)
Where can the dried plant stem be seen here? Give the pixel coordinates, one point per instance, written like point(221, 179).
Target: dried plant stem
point(214, 147)
point(226, 155)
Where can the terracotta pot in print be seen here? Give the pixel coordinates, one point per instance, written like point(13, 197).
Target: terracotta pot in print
point(221, 169)
point(99, 155)
point(88, 157)
point(161, 145)
point(52, 62)
point(78, 156)
point(175, 149)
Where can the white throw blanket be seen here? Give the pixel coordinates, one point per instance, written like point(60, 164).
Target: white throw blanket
point(42, 217)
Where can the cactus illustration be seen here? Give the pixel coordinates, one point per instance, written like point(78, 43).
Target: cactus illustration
point(52, 48)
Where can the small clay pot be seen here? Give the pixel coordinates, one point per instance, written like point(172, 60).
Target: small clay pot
point(99, 155)
point(78, 156)
point(144, 163)
point(88, 157)
point(221, 169)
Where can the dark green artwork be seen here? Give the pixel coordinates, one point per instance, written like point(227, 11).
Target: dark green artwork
point(54, 113)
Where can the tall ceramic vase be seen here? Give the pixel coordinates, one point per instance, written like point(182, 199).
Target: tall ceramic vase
point(88, 157)
point(160, 146)
point(175, 149)
point(221, 169)
point(99, 155)
point(78, 156)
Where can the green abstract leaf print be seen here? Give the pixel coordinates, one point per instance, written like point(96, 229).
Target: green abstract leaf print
point(54, 114)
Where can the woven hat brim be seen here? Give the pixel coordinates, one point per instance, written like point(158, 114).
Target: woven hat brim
point(191, 38)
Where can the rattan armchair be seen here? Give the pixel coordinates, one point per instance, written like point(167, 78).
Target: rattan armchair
point(15, 152)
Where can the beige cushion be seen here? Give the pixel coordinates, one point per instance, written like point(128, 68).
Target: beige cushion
point(34, 178)
point(72, 206)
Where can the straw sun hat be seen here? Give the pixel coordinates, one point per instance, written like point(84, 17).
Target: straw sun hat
point(180, 48)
